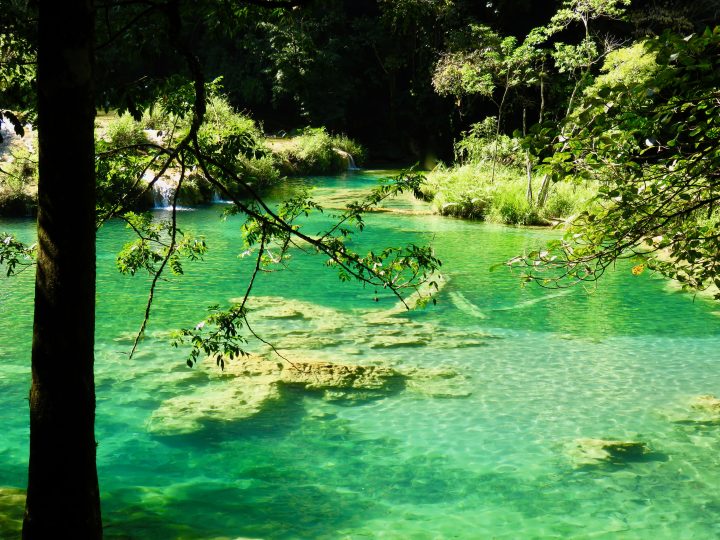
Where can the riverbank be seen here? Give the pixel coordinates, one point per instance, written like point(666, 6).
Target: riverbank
point(121, 146)
point(500, 194)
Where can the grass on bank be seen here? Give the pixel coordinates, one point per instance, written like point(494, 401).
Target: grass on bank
point(468, 191)
point(315, 152)
point(234, 135)
point(474, 189)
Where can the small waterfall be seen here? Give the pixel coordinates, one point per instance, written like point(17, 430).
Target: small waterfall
point(163, 190)
point(351, 163)
point(163, 193)
point(347, 157)
point(217, 198)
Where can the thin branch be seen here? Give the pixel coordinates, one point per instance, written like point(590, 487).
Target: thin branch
point(168, 255)
point(132, 22)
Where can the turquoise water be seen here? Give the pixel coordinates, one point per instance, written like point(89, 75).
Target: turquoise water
point(482, 455)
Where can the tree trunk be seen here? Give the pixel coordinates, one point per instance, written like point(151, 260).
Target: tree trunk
point(528, 163)
point(544, 191)
point(497, 128)
point(63, 495)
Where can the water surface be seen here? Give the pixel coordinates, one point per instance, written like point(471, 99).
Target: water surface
point(536, 370)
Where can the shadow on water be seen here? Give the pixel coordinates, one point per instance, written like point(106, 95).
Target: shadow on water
point(12, 508)
point(314, 479)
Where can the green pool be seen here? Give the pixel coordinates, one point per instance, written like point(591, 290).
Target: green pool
point(479, 444)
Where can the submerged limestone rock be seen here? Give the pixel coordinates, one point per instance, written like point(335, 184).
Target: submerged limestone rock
point(12, 509)
point(342, 382)
point(708, 404)
point(439, 383)
point(588, 451)
point(248, 385)
point(221, 402)
point(704, 409)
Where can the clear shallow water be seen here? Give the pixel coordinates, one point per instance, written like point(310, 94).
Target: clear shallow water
point(620, 363)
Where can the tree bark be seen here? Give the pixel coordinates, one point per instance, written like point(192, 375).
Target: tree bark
point(63, 495)
point(528, 163)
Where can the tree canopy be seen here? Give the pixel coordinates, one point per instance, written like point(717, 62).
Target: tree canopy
point(650, 137)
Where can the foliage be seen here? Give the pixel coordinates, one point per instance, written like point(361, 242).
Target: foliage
point(467, 191)
point(478, 144)
point(268, 236)
point(456, 74)
point(124, 131)
point(314, 152)
point(492, 61)
point(261, 172)
point(584, 11)
point(118, 177)
point(626, 66)
point(157, 241)
point(14, 253)
point(653, 145)
point(17, 76)
point(235, 133)
point(156, 118)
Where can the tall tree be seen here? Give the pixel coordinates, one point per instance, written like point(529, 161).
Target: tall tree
point(63, 493)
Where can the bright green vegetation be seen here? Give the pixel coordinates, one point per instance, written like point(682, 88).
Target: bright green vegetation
point(314, 151)
point(490, 182)
point(650, 137)
point(18, 184)
point(467, 191)
point(488, 452)
point(125, 146)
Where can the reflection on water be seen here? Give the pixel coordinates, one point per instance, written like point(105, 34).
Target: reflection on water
point(502, 379)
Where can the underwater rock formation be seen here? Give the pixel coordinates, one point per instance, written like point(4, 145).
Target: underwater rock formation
point(256, 383)
point(439, 383)
point(707, 404)
point(588, 451)
point(12, 509)
point(704, 409)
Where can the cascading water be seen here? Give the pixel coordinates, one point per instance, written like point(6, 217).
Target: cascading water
point(351, 163)
point(347, 157)
point(163, 193)
point(218, 199)
point(163, 190)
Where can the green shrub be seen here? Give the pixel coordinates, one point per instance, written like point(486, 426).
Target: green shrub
point(229, 134)
point(312, 153)
point(467, 191)
point(567, 198)
point(223, 122)
point(510, 205)
point(315, 152)
point(156, 118)
point(261, 172)
point(479, 145)
point(18, 182)
point(124, 131)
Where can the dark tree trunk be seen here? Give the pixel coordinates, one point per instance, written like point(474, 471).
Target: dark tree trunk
point(63, 496)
